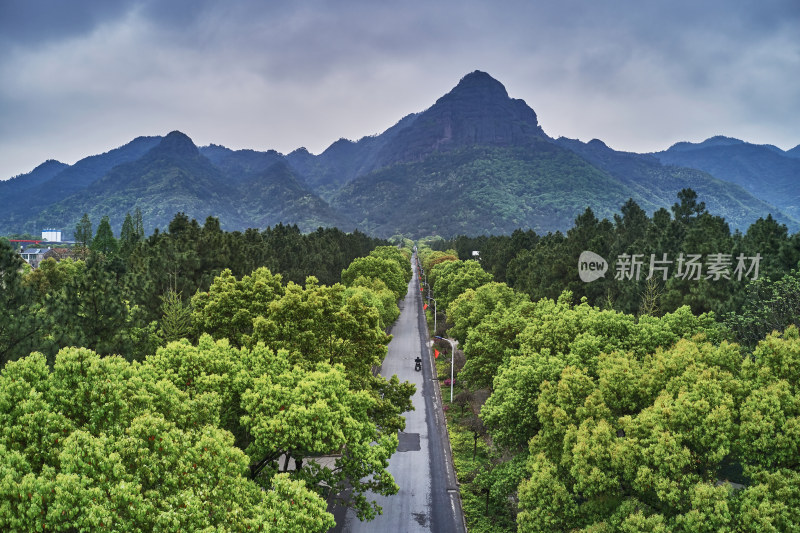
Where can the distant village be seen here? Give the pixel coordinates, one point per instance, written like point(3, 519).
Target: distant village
point(34, 251)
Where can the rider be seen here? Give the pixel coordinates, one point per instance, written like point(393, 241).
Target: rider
point(418, 361)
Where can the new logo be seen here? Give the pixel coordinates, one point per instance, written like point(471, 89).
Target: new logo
point(591, 266)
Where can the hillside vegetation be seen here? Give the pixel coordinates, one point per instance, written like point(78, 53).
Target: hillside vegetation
point(475, 162)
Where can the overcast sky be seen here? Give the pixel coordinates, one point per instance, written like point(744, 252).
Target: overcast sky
point(80, 77)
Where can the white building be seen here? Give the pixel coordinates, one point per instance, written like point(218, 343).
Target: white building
point(51, 235)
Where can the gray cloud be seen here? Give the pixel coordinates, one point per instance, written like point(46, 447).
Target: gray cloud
point(82, 77)
point(31, 23)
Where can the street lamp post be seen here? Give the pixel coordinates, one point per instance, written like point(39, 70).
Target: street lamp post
point(434, 314)
point(452, 361)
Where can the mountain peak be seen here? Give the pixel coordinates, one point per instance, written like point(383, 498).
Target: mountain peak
point(479, 106)
point(177, 143)
point(479, 82)
point(717, 140)
point(477, 111)
point(51, 165)
point(722, 140)
point(597, 143)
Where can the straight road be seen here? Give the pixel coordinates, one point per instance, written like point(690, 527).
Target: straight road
point(428, 499)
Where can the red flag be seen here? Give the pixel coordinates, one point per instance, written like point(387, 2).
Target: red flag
point(424, 307)
point(435, 353)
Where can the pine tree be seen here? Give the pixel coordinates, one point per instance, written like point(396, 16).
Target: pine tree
point(127, 237)
point(92, 310)
point(104, 241)
point(83, 233)
point(21, 319)
point(176, 317)
point(138, 224)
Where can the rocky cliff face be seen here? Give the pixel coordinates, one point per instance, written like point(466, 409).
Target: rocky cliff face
point(478, 111)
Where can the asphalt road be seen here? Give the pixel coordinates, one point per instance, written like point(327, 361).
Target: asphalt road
point(428, 499)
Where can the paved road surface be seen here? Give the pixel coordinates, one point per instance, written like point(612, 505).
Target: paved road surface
point(428, 497)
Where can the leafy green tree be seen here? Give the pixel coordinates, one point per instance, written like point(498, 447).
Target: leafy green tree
point(100, 443)
point(558, 335)
point(770, 415)
point(511, 411)
point(472, 306)
point(492, 343)
point(387, 270)
point(546, 504)
point(378, 295)
point(646, 440)
point(397, 255)
point(230, 306)
point(51, 275)
point(279, 410)
point(316, 324)
point(214, 373)
point(771, 502)
point(454, 277)
point(306, 414)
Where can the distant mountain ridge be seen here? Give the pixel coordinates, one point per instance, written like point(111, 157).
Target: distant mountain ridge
point(244, 189)
point(476, 161)
point(640, 171)
point(765, 171)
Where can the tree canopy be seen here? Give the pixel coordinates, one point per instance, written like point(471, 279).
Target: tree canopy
point(98, 443)
point(632, 422)
point(127, 403)
point(454, 277)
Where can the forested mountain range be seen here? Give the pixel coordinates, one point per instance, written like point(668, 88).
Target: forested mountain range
point(766, 171)
point(475, 162)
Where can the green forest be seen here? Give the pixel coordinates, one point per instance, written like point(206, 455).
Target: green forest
point(543, 266)
point(617, 405)
point(198, 380)
point(203, 380)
